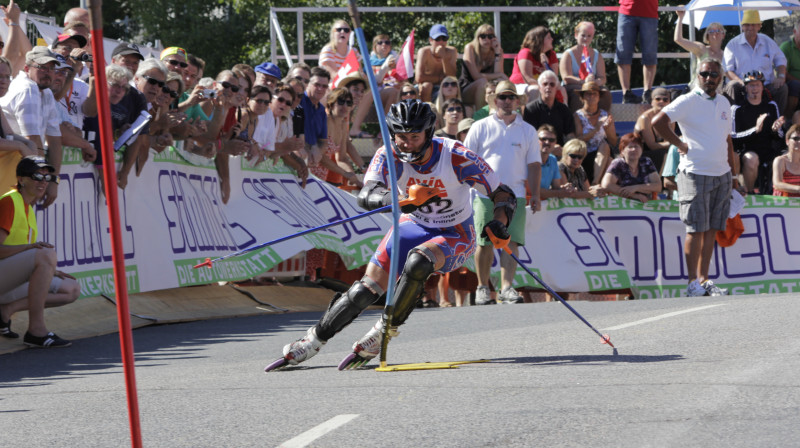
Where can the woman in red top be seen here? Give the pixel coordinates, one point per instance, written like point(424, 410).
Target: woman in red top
point(786, 168)
point(535, 56)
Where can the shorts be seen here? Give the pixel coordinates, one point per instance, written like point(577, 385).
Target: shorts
point(434, 91)
point(457, 243)
point(17, 269)
point(627, 29)
point(794, 87)
point(484, 212)
point(705, 201)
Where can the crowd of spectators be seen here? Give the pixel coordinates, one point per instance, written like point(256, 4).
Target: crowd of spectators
point(556, 97)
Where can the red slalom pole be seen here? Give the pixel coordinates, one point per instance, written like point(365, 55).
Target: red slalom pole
point(117, 252)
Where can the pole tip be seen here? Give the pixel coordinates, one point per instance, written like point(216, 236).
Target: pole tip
point(205, 263)
point(607, 340)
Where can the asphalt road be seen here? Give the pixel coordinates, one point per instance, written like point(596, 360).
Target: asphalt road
point(690, 372)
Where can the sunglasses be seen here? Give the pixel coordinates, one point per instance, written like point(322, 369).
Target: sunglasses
point(442, 39)
point(486, 36)
point(154, 81)
point(343, 30)
point(575, 156)
point(260, 101)
point(303, 80)
point(283, 100)
point(227, 85)
point(408, 93)
point(455, 109)
point(169, 91)
point(716, 31)
point(342, 102)
point(173, 62)
point(384, 42)
point(506, 97)
point(795, 138)
point(709, 74)
point(547, 140)
point(449, 84)
point(38, 177)
point(43, 68)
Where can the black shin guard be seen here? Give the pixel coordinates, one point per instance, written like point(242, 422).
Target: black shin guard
point(344, 308)
point(412, 283)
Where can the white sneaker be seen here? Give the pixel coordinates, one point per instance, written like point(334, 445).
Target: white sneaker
point(304, 348)
point(483, 296)
point(510, 295)
point(714, 290)
point(695, 289)
point(369, 346)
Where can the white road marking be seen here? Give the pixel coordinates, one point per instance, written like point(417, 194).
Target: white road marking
point(318, 431)
point(659, 317)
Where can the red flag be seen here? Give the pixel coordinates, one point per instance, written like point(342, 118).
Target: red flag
point(350, 65)
point(405, 62)
point(585, 67)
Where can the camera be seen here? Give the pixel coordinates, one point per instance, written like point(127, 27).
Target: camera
point(209, 93)
point(83, 58)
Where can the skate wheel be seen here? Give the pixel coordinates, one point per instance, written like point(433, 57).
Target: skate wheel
point(277, 364)
point(347, 360)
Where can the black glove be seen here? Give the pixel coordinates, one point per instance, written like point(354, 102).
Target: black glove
point(411, 208)
point(499, 230)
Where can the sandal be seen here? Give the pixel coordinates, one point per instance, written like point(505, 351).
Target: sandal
point(429, 304)
point(445, 305)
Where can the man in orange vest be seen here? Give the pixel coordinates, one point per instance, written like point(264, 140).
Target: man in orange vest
point(30, 280)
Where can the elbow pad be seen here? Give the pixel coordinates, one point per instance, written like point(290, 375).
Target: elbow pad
point(374, 195)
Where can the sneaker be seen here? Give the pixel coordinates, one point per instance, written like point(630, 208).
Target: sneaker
point(5, 330)
point(46, 341)
point(510, 295)
point(714, 290)
point(483, 296)
point(304, 348)
point(631, 98)
point(695, 289)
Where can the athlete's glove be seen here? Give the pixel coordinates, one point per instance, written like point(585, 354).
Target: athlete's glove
point(496, 232)
point(419, 196)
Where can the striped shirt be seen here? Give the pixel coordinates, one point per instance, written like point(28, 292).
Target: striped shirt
point(30, 111)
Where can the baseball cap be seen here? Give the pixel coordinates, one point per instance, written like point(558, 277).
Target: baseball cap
point(270, 69)
point(126, 49)
point(465, 124)
point(40, 55)
point(439, 30)
point(64, 37)
point(173, 50)
point(62, 63)
point(31, 164)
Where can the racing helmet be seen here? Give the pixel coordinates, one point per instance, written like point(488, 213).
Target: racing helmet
point(411, 116)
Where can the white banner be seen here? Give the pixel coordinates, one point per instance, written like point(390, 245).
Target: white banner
point(173, 219)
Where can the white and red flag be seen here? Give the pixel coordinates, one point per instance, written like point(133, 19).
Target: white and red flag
point(349, 66)
point(585, 68)
point(405, 62)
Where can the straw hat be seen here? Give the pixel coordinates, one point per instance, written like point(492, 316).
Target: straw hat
point(591, 86)
point(506, 88)
point(751, 17)
point(464, 125)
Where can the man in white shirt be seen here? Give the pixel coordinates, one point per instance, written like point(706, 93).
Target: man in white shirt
point(511, 147)
point(31, 109)
point(706, 172)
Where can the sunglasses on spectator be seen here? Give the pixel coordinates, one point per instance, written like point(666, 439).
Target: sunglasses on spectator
point(303, 80)
point(43, 68)
point(716, 31)
point(227, 85)
point(173, 62)
point(384, 42)
point(343, 30)
point(449, 84)
point(169, 91)
point(261, 101)
point(506, 97)
point(408, 93)
point(547, 140)
point(576, 156)
point(154, 81)
point(442, 39)
point(795, 138)
point(283, 100)
point(342, 102)
point(709, 74)
point(455, 109)
point(38, 177)
point(486, 36)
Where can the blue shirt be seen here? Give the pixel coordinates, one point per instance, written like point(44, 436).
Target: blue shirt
point(316, 120)
point(550, 172)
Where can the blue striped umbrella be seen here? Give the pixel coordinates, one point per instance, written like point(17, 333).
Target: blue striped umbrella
point(703, 17)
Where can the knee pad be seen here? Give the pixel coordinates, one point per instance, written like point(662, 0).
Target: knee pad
point(419, 266)
point(344, 308)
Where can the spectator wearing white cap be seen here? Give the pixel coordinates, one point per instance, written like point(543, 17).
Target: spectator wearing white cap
point(434, 62)
point(31, 110)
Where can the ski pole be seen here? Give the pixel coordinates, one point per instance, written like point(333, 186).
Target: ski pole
point(418, 194)
point(503, 244)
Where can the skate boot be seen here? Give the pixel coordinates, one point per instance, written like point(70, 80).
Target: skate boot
point(298, 351)
point(367, 347)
